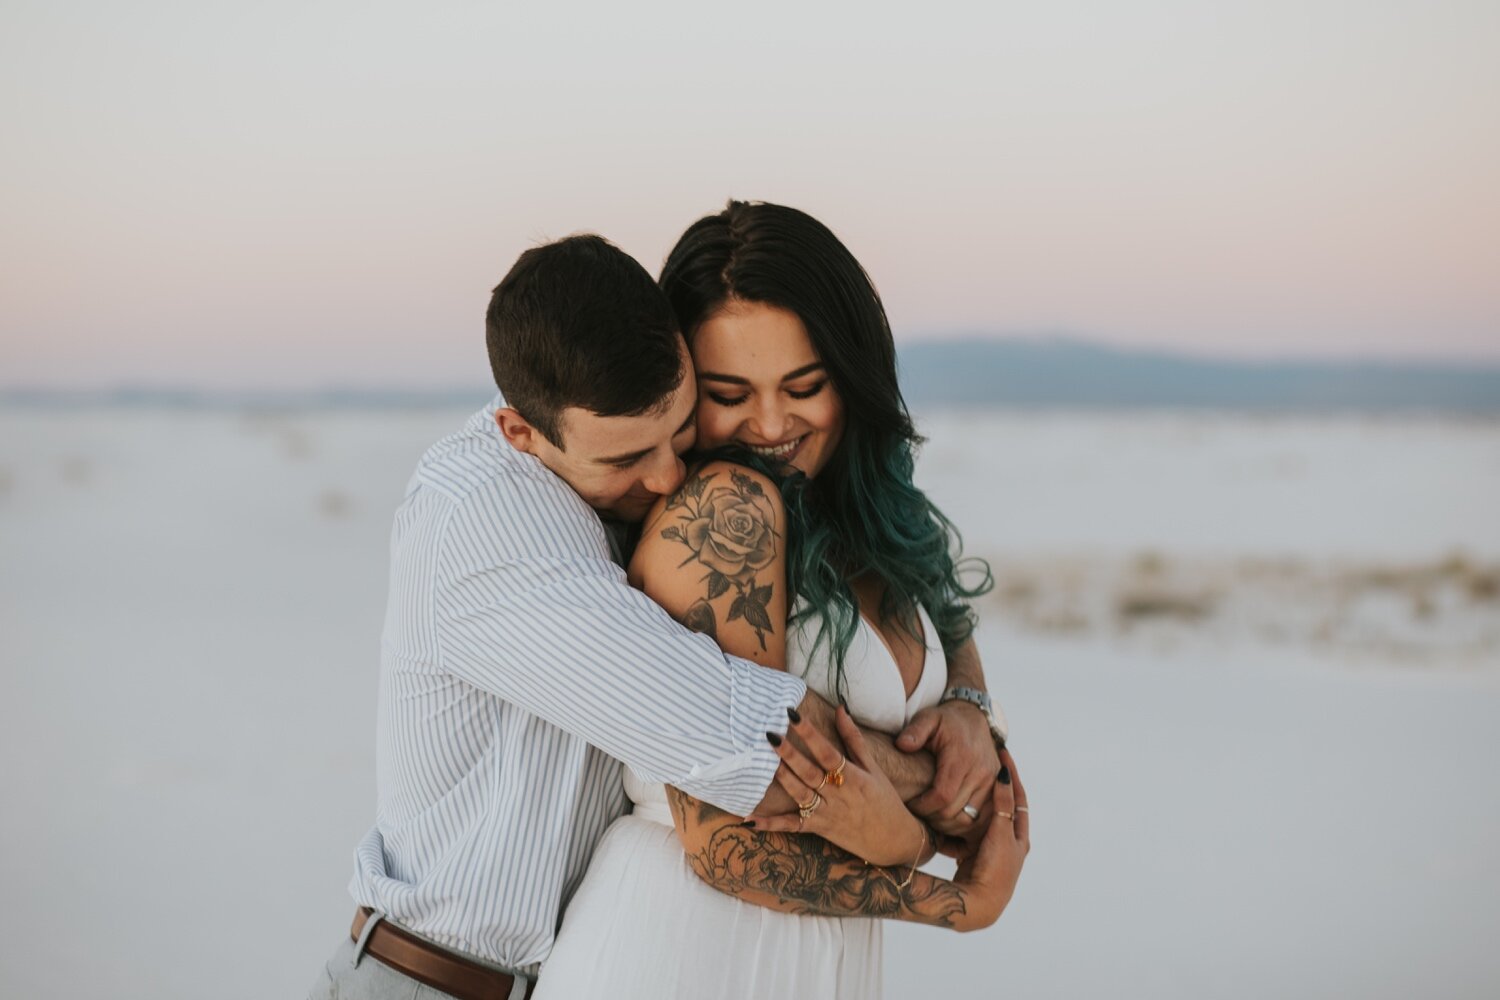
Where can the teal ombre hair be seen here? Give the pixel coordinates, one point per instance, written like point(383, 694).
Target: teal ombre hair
point(862, 514)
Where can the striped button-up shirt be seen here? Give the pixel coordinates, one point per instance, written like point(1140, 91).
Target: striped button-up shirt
point(518, 669)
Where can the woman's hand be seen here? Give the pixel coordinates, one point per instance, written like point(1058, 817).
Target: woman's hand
point(989, 865)
point(862, 813)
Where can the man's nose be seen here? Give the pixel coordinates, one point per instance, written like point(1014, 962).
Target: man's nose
point(665, 475)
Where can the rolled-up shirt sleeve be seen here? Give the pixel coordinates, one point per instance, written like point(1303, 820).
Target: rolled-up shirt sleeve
point(532, 610)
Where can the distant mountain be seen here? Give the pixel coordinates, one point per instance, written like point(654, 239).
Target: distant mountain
point(178, 398)
point(1065, 372)
point(1054, 372)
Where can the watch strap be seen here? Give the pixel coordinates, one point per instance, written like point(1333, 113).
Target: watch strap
point(981, 700)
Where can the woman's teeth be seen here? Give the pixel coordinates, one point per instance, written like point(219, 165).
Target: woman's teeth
point(777, 451)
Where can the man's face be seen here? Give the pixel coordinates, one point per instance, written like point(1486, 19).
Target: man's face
point(620, 466)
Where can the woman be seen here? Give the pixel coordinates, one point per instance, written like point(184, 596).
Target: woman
point(837, 569)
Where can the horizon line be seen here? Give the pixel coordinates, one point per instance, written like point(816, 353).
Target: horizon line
point(1467, 364)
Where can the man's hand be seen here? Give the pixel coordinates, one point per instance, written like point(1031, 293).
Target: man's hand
point(958, 736)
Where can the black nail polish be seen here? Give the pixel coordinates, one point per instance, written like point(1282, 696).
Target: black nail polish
point(794, 715)
point(750, 823)
point(1004, 775)
point(775, 741)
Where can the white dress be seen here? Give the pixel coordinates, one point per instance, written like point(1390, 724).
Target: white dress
point(643, 925)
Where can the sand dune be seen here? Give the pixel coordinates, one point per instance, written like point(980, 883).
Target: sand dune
point(1443, 611)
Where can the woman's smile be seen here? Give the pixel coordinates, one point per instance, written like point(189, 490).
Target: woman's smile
point(780, 452)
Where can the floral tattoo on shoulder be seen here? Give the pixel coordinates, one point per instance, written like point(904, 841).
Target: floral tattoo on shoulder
point(730, 532)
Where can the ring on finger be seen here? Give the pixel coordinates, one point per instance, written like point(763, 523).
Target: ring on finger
point(1022, 809)
point(806, 809)
point(971, 812)
point(837, 774)
point(1005, 815)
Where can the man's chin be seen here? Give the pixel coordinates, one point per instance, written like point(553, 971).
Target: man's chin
point(630, 510)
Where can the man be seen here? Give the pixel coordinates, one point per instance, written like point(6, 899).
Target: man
point(519, 668)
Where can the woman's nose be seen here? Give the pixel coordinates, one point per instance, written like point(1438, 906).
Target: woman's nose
point(770, 422)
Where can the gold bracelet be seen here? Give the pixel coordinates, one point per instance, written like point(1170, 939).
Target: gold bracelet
point(915, 861)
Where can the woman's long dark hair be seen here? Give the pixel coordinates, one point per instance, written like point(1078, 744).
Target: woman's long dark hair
point(862, 513)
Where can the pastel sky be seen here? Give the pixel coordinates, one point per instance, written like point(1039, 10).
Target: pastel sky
point(272, 194)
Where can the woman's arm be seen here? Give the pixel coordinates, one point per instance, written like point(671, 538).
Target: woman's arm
point(803, 873)
point(713, 555)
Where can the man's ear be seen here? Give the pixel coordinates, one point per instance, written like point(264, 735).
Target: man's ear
point(521, 435)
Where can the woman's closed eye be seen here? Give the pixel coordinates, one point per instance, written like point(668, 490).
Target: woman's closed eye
point(809, 392)
point(806, 393)
point(727, 400)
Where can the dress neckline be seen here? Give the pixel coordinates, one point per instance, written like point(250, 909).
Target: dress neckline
point(925, 622)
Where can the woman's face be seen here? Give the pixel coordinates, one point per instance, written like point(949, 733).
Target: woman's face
point(761, 384)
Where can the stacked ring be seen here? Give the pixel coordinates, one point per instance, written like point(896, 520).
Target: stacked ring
point(805, 809)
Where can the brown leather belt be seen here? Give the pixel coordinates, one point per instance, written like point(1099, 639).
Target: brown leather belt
point(432, 966)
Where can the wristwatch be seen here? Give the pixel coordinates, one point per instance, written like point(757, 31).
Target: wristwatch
point(992, 713)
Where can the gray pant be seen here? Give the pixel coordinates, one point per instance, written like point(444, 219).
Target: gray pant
point(352, 975)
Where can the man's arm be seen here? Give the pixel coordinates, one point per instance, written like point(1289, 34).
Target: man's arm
point(526, 605)
point(964, 668)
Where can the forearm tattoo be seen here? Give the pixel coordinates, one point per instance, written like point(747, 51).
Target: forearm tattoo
point(730, 531)
point(807, 872)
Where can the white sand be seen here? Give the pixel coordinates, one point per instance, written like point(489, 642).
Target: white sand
point(189, 613)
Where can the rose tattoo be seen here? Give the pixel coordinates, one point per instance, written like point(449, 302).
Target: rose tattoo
point(730, 532)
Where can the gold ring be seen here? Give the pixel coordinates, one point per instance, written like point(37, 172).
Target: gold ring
point(1006, 815)
point(807, 810)
point(837, 774)
point(1022, 809)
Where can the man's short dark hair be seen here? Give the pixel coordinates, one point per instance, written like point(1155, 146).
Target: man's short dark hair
point(579, 323)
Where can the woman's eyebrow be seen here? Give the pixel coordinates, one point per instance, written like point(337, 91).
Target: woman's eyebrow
point(736, 380)
point(804, 370)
